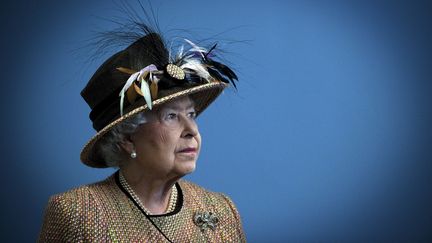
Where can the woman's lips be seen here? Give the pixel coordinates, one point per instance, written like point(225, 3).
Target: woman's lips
point(188, 150)
point(189, 153)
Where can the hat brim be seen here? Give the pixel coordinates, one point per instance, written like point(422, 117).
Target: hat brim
point(203, 95)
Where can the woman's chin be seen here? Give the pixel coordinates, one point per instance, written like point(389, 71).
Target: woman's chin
point(186, 167)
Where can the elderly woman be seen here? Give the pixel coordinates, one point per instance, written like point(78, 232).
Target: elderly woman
point(144, 102)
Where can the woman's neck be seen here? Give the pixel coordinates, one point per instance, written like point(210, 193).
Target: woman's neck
point(154, 193)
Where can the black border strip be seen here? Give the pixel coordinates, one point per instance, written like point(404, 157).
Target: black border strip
point(117, 180)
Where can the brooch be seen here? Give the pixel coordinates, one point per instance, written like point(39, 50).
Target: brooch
point(175, 71)
point(206, 220)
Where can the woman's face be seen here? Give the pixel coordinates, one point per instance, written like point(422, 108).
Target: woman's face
point(168, 144)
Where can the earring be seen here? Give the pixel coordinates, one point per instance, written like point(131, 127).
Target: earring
point(133, 154)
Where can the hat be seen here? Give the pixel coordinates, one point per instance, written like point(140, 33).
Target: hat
point(146, 75)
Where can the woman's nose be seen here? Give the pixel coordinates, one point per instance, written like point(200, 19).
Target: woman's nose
point(190, 127)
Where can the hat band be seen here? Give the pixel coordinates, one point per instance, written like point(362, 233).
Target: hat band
point(101, 107)
point(106, 111)
point(110, 114)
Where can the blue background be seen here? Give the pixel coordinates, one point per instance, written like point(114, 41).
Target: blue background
point(328, 138)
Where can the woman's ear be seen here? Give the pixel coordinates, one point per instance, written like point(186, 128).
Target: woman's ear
point(127, 145)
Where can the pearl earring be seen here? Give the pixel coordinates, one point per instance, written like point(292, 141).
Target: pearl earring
point(133, 154)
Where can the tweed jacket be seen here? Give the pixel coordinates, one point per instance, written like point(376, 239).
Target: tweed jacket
point(104, 212)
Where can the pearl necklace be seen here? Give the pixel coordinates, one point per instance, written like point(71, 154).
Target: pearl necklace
point(172, 201)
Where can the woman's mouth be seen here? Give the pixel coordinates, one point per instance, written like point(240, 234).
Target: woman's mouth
point(190, 153)
point(188, 150)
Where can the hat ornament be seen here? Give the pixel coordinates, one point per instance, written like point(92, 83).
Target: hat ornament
point(193, 66)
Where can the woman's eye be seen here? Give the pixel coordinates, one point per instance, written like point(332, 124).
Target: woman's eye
point(192, 114)
point(171, 116)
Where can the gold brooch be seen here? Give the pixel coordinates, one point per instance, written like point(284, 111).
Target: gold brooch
point(175, 71)
point(206, 220)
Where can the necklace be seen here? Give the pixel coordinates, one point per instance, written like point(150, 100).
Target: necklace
point(172, 201)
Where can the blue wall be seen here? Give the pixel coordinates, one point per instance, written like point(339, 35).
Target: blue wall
point(328, 138)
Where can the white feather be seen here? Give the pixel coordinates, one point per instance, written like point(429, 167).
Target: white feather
point(145, 89)
point(196, 48)
point(180, 53)
point(197, 67)
point(138, 75)
point(129, 82)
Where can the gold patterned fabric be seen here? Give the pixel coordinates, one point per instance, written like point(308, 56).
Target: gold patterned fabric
point(104, 212)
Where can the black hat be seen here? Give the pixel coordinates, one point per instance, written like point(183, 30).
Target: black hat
point(146, 75)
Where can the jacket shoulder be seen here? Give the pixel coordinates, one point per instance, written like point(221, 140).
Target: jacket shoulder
point(66, 215)
point(197, 191)
point(84, 192)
